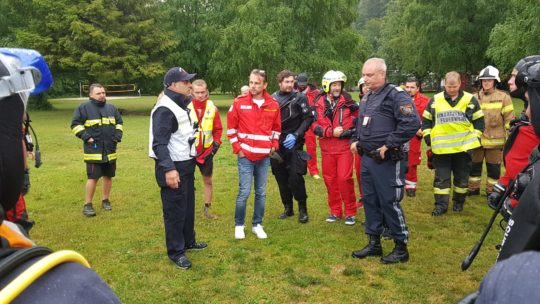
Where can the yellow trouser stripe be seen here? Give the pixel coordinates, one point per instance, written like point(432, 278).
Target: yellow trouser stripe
point(460, 190)
point(441, 191)
point(491, 181)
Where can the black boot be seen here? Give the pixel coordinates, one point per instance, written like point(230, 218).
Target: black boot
point(439, 210)
point(287, 212)
point(400, 254)
point(373, 248)
point(458, 206)
point(302, 216)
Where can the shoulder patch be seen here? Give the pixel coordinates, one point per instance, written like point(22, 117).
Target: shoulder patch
point(406, 109)
point(399, 89)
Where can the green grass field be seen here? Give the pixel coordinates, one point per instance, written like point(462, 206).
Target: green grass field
point(308, 263)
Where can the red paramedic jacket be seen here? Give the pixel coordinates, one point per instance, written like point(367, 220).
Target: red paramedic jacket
point(328, 143)
point(254, 130)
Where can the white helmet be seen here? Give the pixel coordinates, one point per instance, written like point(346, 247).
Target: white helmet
point(489, 72)
point(332, 76)
point(361, 81)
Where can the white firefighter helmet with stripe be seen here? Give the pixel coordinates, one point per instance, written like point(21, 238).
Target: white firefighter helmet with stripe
point(489, 72)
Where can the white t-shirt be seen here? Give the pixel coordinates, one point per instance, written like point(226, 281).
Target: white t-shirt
point(259, 102)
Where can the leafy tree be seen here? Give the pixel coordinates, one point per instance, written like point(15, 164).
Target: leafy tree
point(517, 36)
point(310, 36)
point(437, 36)
point(99, 40)
point(196, 25)
point(370, 20)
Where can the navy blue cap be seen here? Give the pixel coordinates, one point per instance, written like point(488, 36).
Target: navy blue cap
point(302, 79)
point(176, 74)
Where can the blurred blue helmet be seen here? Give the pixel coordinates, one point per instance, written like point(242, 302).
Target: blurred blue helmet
point(25, 71)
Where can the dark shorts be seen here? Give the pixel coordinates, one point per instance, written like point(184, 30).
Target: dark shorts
point(206, 168)
point(95, 171)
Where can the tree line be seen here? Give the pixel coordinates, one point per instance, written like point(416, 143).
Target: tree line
point(135, 41)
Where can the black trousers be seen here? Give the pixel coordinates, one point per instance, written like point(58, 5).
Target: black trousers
point(179, 211)
point(446, 165)
point(382, 192)
point(290, 178)
point(11, 152)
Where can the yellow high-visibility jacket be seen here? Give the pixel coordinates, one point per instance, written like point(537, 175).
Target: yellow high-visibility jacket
point(450, 129)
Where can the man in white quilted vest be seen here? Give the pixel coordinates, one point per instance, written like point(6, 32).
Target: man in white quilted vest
point(172, 147)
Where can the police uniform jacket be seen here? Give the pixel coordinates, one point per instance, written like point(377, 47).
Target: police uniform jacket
point(102, 122)
point(387, 117)
point(296, 115)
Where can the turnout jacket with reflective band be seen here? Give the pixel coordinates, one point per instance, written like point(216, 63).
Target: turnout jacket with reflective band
point(498, 112)
point(102, 122)
point(170, 131)
point(452, 126)
point(329, 116)
point(253, 130)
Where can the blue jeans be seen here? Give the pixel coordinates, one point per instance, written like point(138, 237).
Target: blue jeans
point(248, 169)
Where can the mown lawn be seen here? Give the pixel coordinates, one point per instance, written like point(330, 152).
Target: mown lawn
point(308, 263)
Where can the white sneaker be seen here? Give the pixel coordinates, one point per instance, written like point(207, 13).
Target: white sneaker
point(316, 176)
point(239, 233)
point(259, 231)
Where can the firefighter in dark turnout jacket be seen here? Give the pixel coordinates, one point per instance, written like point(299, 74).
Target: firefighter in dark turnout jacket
point(100, 127)
point(289, 171)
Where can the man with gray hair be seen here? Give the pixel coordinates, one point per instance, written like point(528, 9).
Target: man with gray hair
point(386, 122)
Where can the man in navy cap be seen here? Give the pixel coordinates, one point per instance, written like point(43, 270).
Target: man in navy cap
point(172, 146)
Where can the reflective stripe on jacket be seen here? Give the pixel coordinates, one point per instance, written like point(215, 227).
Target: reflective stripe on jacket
point(103, 123)
point(252, 129)
point(453, 132)
point(206, 127)
point(498, 112)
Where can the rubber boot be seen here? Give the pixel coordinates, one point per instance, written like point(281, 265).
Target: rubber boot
point(287, 212)
point(373, 248)
point(400, 254)
point(303, 215)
